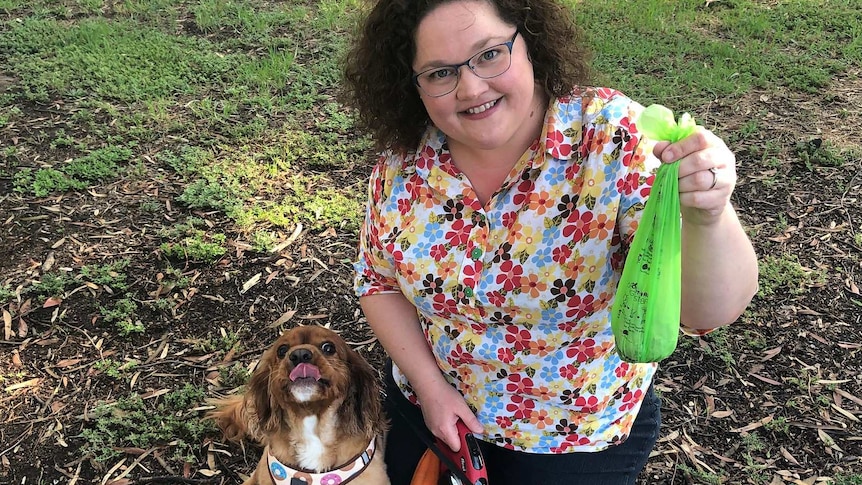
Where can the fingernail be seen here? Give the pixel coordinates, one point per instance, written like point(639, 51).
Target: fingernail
point(668, 155)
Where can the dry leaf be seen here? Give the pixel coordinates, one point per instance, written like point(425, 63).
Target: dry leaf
point(7, 325)
point(754, 425)
point(284, 318)
point(21, 385)
point(250, 283)
point(52, 302)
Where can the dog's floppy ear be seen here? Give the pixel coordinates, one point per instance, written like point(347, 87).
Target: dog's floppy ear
point(362, 410)
point(268, 412)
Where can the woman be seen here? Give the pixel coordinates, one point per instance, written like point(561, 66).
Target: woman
point(499, 217)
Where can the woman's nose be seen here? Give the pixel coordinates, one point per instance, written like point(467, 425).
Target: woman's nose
point(470, 85)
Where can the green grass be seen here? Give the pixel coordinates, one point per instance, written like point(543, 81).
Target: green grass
point(134, 422)
point(658, 51)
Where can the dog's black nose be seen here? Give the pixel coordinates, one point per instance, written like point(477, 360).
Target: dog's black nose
point(299, 356)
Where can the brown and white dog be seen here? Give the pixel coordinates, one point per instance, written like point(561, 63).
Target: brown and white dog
point(314, 403)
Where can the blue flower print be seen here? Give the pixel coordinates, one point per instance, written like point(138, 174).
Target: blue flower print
point(555, 173)
point(433, 231)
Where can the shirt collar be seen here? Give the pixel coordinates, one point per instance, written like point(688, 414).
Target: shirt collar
point(282, 474)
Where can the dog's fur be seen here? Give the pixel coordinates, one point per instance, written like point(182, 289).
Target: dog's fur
point(314, 422)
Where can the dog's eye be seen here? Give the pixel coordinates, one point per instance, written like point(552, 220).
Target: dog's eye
point(282, 351)
point(328, 348)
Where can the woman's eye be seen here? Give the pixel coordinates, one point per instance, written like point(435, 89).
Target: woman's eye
point(489, 54)
point(328, 348)
point(281, 351)
point(440, 74)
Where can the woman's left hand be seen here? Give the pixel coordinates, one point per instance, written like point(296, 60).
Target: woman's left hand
point(707, 174)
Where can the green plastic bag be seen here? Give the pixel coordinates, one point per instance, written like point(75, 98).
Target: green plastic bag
point(645, 312)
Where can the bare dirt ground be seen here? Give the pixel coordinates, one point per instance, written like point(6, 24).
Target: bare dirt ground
point(777, 398)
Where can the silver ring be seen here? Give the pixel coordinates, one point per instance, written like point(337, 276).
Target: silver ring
point(713, 171)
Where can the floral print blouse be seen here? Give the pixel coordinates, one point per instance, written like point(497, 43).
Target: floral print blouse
point(514, 297)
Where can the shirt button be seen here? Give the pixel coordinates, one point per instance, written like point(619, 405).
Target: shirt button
point(476, 253)
point(469, 292)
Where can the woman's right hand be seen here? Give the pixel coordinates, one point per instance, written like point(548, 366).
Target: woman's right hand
point(442, 407)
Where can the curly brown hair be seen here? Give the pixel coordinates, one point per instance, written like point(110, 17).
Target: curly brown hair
point(378, 68)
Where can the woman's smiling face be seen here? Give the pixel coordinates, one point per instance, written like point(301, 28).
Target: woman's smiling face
point(480, 114)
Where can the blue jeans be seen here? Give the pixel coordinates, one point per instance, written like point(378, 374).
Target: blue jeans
point(617, 465)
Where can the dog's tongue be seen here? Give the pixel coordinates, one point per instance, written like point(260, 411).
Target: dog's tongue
point(304, 371)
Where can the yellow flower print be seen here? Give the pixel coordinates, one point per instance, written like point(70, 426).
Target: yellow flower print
point(411, 232)
point(591, 270)
point(528, 239)
point(593, 183)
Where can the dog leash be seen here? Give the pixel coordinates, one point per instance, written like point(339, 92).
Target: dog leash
point(432, 445)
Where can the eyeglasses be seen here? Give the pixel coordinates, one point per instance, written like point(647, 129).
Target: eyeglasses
point(491, 62)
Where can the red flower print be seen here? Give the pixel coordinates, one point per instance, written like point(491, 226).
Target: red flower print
point(404, 206)
point(578, 225)
point(587, 404)
point(630, 399)
point(510, 275)
point(569, 371)
point(438, 252)
point(520, 407)
point(505, 355)
point(519, 339)
point(443, 305)
point(504, 422)
point(633, 159)
point(460, 356)
point(519, 385)
point(561, 254)
point(579, 307)
point(412, 186)
point(495, 298)
point(647, 185)
point(523, 190)
point(509, 219)
point(622, 369)
point(424, 160)
point(459, 234)
point(554, 142)
point(606, 93)
point(582, 350)
point(628, 184)
point(472, 273)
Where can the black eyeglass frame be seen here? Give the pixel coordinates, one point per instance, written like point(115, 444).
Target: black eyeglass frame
point(457, 67)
